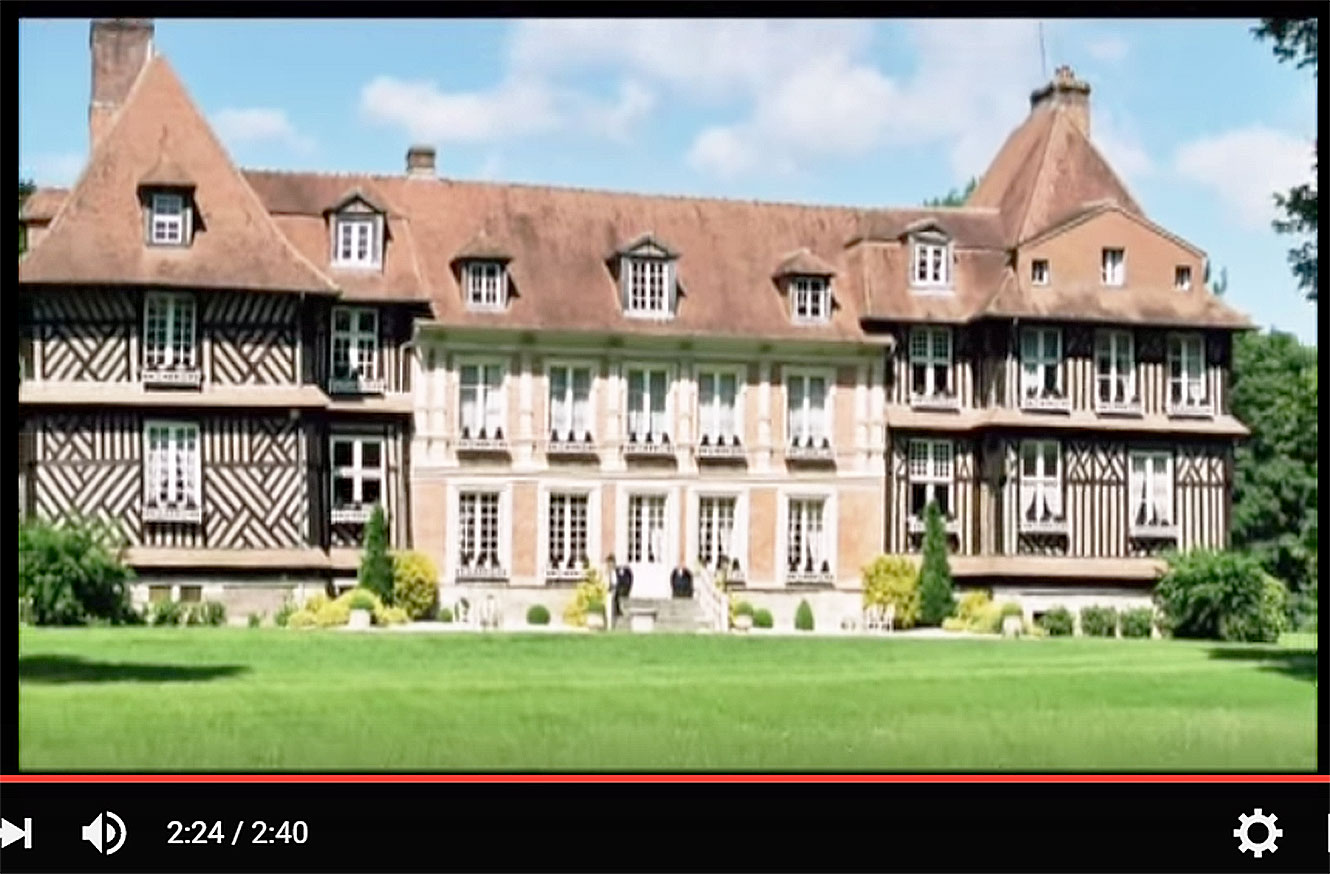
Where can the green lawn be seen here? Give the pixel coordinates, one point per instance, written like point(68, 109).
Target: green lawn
point(240, 700)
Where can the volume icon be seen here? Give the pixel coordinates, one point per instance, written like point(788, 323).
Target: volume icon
point(106, 832)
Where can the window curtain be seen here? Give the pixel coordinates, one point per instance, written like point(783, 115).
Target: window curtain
point(797, 414)
point(470, 395)
point(637, 417)
point(659, 426)
point(1161, 492)
point(1138, 486)
point(725, 415)
point(817, 405)
point(560, 419)
point(581, 401)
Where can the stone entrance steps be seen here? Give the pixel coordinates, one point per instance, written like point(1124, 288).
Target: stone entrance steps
point(671, 614)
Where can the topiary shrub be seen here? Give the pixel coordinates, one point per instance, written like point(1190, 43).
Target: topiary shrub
point(71, 573)
point(743, 608)
point(1010, 608)
point(537, 614)
point(937, 599)
point(445, 614)
point(1099, 621)
point(1138, 622)
point(254, 620)
point(803, 616)
point(893, 579)
point(376, 568)
point(1057, 622)
point(360, 599)
point(166, 612)
point(1220, 595)
point(415, 583)
point(762, 618)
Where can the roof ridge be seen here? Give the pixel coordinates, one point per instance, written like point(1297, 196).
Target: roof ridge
point(621, 192)
point(1044, 148)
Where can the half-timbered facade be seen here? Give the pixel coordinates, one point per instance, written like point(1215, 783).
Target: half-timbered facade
point(235, 366)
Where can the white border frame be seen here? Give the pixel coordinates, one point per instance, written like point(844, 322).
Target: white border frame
point(456, 486)
point(671, 369)
point(829, 413)
point(148, 424)
point(830, 525)
point(735, 490)
point(461, 360)
point(740, 372)
point(593, 396)
point(625, 489)
point(595, 498)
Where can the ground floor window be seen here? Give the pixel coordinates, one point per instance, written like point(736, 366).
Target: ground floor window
point(568, 548)
point(646, 529)
point(1041, 481)
point(1151, 484)
point(478, 532)
point(930, 476)
point(806, 549)
point(171, 478)
point(715, 532)
point(357, 473)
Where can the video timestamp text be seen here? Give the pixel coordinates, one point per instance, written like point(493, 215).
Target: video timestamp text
point(249, 832)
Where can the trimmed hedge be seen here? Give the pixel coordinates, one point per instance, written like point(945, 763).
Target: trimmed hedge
point(537, 614)
point(415, 583)
point(1099, 621)
point(762, 618)
point(1058, 622)
point(1138, 622)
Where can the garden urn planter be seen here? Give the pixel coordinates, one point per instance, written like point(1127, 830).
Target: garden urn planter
point(743, 622)
point(359, 620)
point(595, 621)
point(1012, 626)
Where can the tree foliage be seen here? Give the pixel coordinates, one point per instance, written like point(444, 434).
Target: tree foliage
point(937, 597)
point(893, 579)
point(1295, 40)
point(1220, 596)
point(954, 197)
point(376, 566)
point(25, 188)
point(72, 573)
point(1275, 477)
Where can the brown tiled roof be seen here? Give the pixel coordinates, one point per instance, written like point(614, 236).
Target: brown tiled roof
point(1046, 170)
point(881, 272)
point(804, 263)
point(483, 247)
point(43, 204)
point(167, 173)
point(97, 236)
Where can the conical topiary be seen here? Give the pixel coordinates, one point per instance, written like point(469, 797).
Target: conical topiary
point(936, 595)
point(376, 566)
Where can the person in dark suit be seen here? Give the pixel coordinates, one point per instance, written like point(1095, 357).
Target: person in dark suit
point(623, 587)
point(681, 582)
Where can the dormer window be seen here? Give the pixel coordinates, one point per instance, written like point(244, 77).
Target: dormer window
point(486, 285)
point(647, 281)
point(357, 241)
point(810, 298)
point(1182, 278)
point(646, 278)
point(169, 220)
point(1039, 271)
point(1113, 267)
point(931, 261)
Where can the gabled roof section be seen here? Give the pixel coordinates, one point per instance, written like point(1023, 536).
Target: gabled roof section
point(1047, 169)
point(1099, 207)
point(43, 204)
point(483, 247)
point(968, 227)
point(166, 173)
point(357, 193)
point(804, 263)
point(647, 245)
point(97, 236)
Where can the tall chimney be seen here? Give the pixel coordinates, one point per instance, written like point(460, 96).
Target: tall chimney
point(121, 48)
point(1068, 93)
point(420, 162)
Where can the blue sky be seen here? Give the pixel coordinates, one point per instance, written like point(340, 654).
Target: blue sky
point(1198, 117)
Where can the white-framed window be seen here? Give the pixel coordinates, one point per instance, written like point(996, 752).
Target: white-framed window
point(356, 240)
point(168, 219)
point(647, 286)
point(648, 534)
point(1041, 362)
point(171, 482)
point(931, 263)
point(810, 299)
point(1182, 277)
point(355, 343)
point(168, 331)
point(482, 402)
point(1039, 272)
point(808, 549)
point(358, 472)
point(930, 362)
point(1113, 266)
point(930, 471)
point(479, 532)
point(1186, 372)
point(1115, 367)
point(717, 544)
point(648, 416)
point(1041, 481)
point(568, 527)
point(807, 408)
point(570, 408)
point(718, 415)
point(486, 285)
point(1151, 482)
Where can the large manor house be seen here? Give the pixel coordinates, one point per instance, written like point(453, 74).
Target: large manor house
point(234, 366)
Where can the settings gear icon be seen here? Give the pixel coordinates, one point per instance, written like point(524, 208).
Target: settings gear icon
point(1256, 848)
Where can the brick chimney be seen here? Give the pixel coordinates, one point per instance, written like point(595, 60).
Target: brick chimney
point(121, 48)
point(1069, 94)
point(420, 162)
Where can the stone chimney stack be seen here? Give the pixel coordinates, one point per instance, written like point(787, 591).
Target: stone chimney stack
point(420, 162)
point(1067, 92)
point(121, 48)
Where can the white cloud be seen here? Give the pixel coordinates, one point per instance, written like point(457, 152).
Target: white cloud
point(257, 125)
point(617, 120)
point(1121, 146)
point(54, 168)
point(514, 108)
point(1245, 167)
point(1109, 48)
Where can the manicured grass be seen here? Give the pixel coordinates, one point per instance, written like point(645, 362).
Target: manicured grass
point(244, 700)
